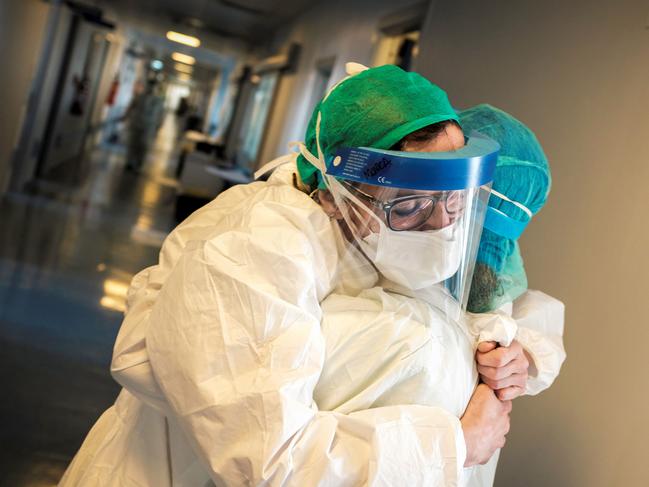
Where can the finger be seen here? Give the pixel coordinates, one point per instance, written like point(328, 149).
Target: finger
point(516, 366)
point(521, 355)
point(498, 357)
point(518, 380)
point(501, 373)
point(485, 347)
point(495, 358)
point(513, 380)
point(510, 393)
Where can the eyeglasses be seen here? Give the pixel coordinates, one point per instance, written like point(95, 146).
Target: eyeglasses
point(412, 211)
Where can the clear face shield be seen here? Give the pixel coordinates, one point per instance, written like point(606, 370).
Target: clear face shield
point(416, 216)
point(493, 287)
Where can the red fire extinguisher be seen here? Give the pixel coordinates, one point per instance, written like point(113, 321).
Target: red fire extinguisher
point(112, 93)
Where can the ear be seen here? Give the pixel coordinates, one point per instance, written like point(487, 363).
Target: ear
point(329, 204)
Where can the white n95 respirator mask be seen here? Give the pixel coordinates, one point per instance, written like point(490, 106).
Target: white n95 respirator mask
point(414, 259)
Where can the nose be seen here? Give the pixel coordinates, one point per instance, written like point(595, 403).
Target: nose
point(439, 219)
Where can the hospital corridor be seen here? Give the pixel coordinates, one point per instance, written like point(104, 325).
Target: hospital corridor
point(300, 243)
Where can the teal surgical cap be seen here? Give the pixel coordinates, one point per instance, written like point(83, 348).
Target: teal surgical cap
point(374, 108)
point(522, 175)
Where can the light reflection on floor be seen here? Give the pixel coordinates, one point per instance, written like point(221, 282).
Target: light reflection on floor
point(66, 258)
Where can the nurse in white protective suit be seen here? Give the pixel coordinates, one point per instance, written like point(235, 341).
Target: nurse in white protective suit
point(385, 348)
point(223, 344)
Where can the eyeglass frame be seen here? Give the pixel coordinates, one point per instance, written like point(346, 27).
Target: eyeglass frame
point(386, 206)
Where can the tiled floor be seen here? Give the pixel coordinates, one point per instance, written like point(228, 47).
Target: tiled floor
point(67, 255)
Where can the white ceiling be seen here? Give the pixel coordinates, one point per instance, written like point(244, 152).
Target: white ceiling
point(248, 20)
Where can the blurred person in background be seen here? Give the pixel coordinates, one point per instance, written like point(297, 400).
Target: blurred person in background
point(144, 117)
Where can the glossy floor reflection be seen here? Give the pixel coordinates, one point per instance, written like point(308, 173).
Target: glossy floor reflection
point(67, 255)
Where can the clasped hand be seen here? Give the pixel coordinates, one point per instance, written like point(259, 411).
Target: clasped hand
point(485, 422)
point(503, 369)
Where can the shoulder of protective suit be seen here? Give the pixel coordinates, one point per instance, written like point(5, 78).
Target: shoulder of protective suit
point(246, 223)
point(234, 208)
point(244, 208)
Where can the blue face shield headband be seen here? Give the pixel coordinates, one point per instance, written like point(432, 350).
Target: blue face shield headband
point(468, 167)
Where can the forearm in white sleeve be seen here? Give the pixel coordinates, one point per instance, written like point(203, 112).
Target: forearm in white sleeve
point(130, 365)
point(540, 320)
point(237, 350)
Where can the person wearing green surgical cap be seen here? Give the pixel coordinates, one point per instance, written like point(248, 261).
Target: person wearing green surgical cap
point(225, 343)
point(527, 325)
point(376, 108)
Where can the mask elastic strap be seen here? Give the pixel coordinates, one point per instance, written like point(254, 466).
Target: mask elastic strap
point(313, 160)
point(317, 162)
point(515, 203)
point(502, 224)
point(339, 190)
point(317, 140)
point(274, 164)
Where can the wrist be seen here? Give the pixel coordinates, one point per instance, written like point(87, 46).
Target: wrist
point(467, 431)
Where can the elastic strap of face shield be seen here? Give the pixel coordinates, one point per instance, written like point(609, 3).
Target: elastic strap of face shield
point(318, 162)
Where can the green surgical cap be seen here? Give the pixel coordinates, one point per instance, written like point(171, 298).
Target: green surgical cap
point(523, 175)
point(375, 108)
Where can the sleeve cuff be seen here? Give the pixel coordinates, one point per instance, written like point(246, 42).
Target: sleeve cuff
point(547, 358)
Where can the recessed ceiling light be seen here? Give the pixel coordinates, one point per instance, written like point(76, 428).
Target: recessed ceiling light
point(183, 39)
point(183, 58)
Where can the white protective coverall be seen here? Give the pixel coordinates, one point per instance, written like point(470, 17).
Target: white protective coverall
point(385, 349)
point(220, 352)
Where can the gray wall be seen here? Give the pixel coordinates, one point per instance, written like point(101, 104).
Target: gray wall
point(338, 29)
point(578, 74)
point(22, 23)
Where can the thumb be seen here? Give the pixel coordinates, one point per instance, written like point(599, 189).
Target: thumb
point(484, 347)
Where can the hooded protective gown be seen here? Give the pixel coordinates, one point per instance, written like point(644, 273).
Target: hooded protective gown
point(224, 359)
